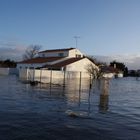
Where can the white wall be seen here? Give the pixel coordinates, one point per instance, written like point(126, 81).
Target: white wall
point(72, 71)
point(68, 53)
point(120, 74)
point(108, 75)
point(45, 76)
point(23, 66)
point(54, 54)
point(80, 65)
point(74, 52)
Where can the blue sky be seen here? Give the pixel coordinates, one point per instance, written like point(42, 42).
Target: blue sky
point(105, 27)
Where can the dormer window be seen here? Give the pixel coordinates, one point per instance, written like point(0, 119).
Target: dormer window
point(78, 56)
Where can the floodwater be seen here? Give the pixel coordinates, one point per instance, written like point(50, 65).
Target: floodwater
point(110, 110)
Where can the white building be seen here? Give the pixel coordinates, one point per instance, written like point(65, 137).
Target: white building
point(69, 59)
point(110, 72)
point(69, 52)
point(55, 63)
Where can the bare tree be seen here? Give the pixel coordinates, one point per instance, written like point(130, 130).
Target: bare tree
point(31, 52)
point(93, 71)
point(95, 61)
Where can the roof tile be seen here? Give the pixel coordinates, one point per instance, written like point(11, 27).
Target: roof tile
point(56, 50)
point(40, 60)
point(63, 63)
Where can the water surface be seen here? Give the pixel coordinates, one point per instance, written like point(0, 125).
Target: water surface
point(56, 112)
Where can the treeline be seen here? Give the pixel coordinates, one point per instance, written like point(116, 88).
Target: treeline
point(120, 66)
point(7, 63)
point(124, 69)
point(134, 73)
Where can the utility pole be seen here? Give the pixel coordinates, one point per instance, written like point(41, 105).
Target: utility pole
point(76, 40)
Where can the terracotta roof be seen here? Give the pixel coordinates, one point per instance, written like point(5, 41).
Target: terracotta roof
point(40, 60)
point(109, 69)
point(63, 63)
point(57, 50)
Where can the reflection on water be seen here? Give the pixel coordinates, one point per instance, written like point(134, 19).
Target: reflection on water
point(103, 102)
point(78, 94)
point(109, 110)
point(104, 96)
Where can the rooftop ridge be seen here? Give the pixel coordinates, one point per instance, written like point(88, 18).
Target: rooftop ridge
point(40, 60)
point(64, 62)
point(55, 50)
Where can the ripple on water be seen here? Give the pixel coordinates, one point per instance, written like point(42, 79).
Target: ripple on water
point(42, 112)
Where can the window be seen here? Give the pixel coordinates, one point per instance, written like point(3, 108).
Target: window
point(61, 54)
point(43, 55)
point(78, 56)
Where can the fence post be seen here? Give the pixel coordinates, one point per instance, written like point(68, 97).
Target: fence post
point(33, 74)
point(27, 77)
point(91, 80)
point(80, 87)
point(80, 80)
point(89, 103)
point(104, 96)
point(50, 77)
point(64, 79)
point(40, 75)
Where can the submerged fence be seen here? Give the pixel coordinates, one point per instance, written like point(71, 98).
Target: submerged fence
point(50, 76)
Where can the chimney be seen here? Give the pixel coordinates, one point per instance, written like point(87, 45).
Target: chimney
point(115, 66)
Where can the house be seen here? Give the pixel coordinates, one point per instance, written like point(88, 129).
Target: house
point(68, 59)
point(68, 52)
point(56, 64)
point(109, 72)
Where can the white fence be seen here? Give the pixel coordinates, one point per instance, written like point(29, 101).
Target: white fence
point(47, 76)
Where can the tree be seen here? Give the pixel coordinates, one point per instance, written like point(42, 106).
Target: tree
point(120, 66)
point(126, 71)
point(95, 61)
point(117, 65)
point(31, 52)
point(93, 71)
point(8, 64)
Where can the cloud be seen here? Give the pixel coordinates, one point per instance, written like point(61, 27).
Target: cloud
point(132, 61)
point(7, 44)
point(11, 50)
point(11, 53)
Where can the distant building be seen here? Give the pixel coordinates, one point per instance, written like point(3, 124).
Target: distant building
point(109, 72)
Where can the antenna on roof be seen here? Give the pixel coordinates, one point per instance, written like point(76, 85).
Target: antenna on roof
point(76, 40)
